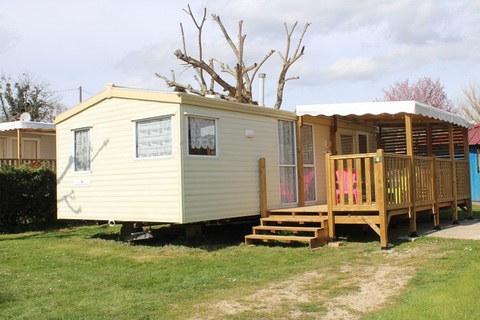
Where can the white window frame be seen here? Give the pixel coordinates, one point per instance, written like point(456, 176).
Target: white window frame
point(281, 166)
point(75, 131)
point(187, 134)
point(136, 137)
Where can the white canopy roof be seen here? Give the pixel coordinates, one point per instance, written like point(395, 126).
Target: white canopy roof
point(379, 108)
point(6, 126)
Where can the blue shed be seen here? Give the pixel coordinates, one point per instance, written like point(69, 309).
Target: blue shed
point(474, 147)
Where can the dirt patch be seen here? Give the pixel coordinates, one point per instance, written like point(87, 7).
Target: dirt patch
point(346, 293)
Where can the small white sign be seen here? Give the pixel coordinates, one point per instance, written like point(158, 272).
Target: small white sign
point(82, 183)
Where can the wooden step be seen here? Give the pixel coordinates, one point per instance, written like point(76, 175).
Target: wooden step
point(313, 242)
point(293, 229)
point(301, 219)
point(310, 210)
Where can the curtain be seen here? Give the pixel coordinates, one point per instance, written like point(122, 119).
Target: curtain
point(286, 139)
point(201, 135)
point(82, 150)
point(154, 138)
point(287, 161)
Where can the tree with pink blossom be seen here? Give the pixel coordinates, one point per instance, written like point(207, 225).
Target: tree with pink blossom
point(425, 90)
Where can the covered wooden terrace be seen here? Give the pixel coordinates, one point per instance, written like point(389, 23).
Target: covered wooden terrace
point(17, 129)
point(421, 165)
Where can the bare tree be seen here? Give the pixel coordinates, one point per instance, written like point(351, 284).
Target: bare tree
point(25, 94)
point(244, 75)
point(470, 103)
point(425, 90)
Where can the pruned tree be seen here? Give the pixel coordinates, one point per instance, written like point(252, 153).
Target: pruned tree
point(469, 104)
point(425, 90)
point(243, 74)
point(25, 94)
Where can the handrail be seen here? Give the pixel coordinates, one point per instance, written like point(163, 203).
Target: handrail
point(420, 181)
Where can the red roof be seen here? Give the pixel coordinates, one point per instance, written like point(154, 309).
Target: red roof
point(474, 135)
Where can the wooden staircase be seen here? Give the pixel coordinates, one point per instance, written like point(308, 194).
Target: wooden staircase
point(290, 225)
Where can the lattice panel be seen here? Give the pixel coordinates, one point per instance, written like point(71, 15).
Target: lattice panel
point(444, 178)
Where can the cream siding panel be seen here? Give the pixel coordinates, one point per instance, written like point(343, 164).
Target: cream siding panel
point(227, 185)
point(119, 187)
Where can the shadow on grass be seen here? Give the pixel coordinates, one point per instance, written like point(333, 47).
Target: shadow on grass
point(216, 237)
point(212, 237)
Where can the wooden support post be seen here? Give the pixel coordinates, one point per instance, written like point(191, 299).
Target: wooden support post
point(333, 136)
point(436, 207)
point(454, 173)
point(263, 188)
point(466, 156)
point(380, 196)
point(300, 170)
point(409, 139)
point(19, 147)
point(330, 175)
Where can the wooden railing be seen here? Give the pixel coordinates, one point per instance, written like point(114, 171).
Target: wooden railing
point(381, 181)
point(31, 162)
point(463, 179)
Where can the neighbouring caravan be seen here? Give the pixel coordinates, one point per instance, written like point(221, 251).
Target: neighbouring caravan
point(27, 142)
point(130, 155)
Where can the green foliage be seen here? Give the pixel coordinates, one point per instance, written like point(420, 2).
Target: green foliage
point(28, 198)
point(25, 94)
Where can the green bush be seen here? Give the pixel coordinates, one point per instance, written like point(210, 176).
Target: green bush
point(28, 198)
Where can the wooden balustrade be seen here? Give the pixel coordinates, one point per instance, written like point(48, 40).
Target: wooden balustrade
point(31, 162)
point(353, 181)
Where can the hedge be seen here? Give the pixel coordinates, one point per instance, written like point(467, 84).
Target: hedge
point(27, 198)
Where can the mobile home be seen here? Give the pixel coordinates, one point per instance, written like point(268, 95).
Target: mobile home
point(27, 142)
point(144, 156)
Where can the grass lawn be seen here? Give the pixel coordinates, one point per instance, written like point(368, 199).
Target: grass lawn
point(87, 273)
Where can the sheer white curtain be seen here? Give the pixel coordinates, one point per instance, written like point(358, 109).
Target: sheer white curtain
point(154, 138)
point(82, 150)
point(201, 135)
point(287, 159)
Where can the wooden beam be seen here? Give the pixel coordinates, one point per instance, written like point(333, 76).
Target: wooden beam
point(466, 155)
point(451, 151)
point(381, 197)
point(300, 170)
point(330, 175)
point(372, 225)
point(428, 129)
point(19, 147)
point(409, 140)
point(263, 188)
point(333, 136)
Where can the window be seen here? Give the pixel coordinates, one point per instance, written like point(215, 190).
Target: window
point(346, 144)
point(308, 163)
point(287, 161)
point(478, 159)
point(362, 143)
point(154, 138)
point(82, 150)
point(202, 139)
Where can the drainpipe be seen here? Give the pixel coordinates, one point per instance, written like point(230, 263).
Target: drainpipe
point(262, 77)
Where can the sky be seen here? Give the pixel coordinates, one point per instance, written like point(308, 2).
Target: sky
point(353, 48)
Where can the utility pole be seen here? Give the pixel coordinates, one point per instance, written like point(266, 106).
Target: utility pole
point(80, 93)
